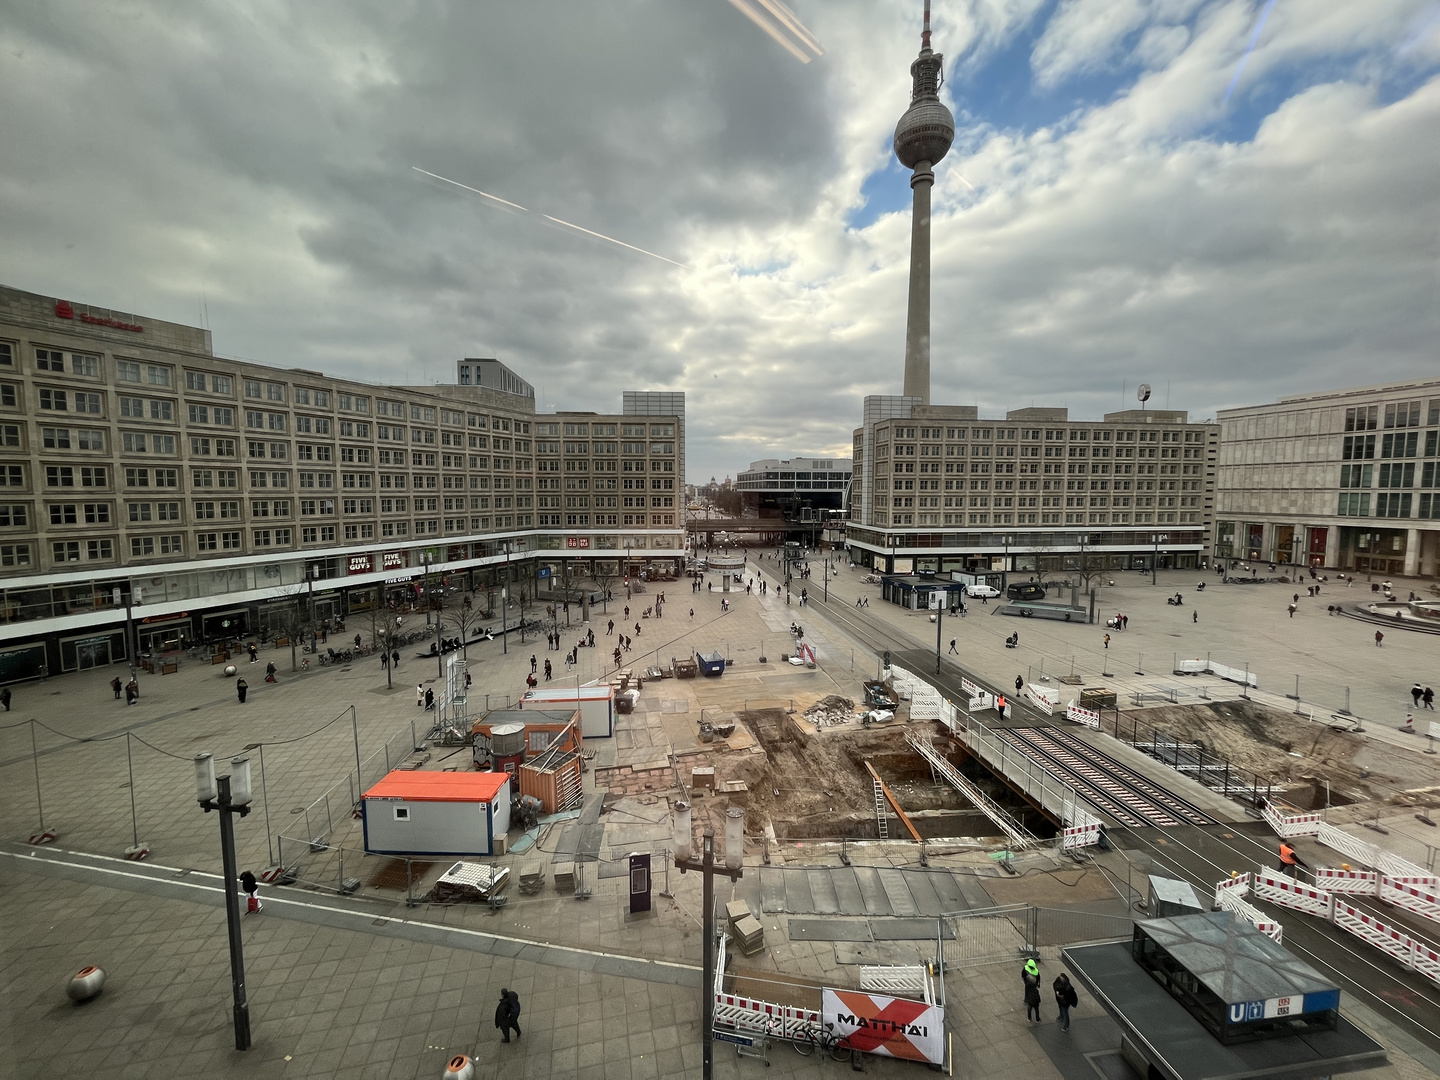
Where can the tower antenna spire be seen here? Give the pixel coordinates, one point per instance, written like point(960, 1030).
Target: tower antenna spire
point(925, 34)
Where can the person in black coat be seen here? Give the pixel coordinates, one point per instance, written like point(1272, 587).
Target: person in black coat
point(241, 689)
point(507, 1014)
point(1065, 998)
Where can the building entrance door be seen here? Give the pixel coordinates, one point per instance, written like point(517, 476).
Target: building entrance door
point(92, 654)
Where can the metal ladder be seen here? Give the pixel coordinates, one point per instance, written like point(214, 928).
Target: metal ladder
point(881, 817)
point(940, 768)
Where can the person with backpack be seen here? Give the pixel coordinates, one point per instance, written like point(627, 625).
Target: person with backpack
point(1065, 998)
point(507, 1014)
point(252, 893)
point(1030, 978)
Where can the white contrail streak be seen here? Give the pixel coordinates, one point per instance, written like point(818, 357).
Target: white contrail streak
point(612, 240)
point(547, 217)
point(467, 187)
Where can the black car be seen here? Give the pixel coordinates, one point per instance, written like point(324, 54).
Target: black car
point(1026, 590)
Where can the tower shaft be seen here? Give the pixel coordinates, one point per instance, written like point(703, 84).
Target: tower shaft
point(917, 321)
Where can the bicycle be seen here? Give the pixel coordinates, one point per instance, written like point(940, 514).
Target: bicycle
point(808, 1038)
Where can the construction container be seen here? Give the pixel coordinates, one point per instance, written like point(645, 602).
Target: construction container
point(595, 703)
point(435, 813)
point(711, 664)
point(555, 778)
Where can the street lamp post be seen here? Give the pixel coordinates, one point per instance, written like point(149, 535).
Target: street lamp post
point(733, 869)
point(229, 795)
point(1155, 560)
point(505, 604)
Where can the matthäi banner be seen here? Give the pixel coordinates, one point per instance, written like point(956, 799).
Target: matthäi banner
point(892, 1027)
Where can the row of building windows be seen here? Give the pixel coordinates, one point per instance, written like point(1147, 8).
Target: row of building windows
point(883, 434)
point(1043, 518)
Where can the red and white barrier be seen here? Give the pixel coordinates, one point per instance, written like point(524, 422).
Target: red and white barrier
point(1349, 882)
point(1368, 928)
point(1078, 836)
point(1081, 715)
point(1279, 889)
point(1230, 896)
point(1291, 824)
point(1417, 895)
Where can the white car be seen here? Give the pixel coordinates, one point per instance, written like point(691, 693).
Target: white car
point(987, 592)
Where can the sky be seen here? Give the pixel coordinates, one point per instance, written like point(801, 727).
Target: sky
point(1230, 200)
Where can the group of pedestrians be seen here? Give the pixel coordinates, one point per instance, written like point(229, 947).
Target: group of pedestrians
point(1422, 695)
point(1065, 996)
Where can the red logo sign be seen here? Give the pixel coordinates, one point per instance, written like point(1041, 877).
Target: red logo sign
point(361, 564)
point(65, 310)
point(577, 542)
point(394, 560)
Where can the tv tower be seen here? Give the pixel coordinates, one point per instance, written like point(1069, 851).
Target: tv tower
point(922, 137)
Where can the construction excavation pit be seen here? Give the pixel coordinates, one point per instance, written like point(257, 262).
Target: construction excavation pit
point(809, 782)
point(821, 773)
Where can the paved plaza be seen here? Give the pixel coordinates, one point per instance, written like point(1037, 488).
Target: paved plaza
point(362, 985)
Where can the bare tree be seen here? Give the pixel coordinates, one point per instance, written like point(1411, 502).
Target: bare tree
point(606, 573)
point(463, 617)
point(294, 620)
point(385, 630)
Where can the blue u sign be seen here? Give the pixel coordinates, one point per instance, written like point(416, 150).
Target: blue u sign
point(1242, 1011)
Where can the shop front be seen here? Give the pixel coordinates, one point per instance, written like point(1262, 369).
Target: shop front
point(1376, 551)
point(92, 651)
point(164, 633)
point(227, 624)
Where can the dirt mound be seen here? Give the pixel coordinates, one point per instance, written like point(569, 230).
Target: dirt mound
point(831, 711)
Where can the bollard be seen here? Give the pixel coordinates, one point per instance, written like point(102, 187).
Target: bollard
point(85, 984)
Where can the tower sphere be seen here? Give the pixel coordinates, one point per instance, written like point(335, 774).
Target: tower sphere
point(924, 133)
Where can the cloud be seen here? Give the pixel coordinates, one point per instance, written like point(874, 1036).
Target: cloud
point(255, 160)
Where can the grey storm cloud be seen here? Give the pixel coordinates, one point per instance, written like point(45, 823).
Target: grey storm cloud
point(250, 165)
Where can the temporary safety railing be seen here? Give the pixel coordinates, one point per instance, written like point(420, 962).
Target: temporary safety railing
point(1326, 904)
point(1230, 896)
point(1027, 776)
point(999, 935)
point(1018, 835)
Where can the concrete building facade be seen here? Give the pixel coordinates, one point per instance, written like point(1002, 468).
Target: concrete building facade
point(940, 489)
point(1348, 479)
point(138, 467)
point(799, 488)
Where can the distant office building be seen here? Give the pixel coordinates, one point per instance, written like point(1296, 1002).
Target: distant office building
point(1347, 479)
point(938, 488)
point(137, 465)
point(798, 489)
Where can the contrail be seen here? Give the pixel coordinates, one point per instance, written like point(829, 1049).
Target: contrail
point(788, 20)
point(1254, 37)
point(547, 217)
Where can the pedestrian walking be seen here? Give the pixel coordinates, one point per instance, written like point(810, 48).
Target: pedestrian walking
point(610, 629)
point(1124, 622)
point(1416, 692)
point(358, 640)
point(532, 664)
point(419, 695)
point(1292, 611)
point(547, 670)
point(1065, 998)
point(395, 659)
point(252, 893)
point(429, 698)
point(1019, 683)
point(132, 693)
point(115, 685)
point(953, 651)
point(1428, 698)
point(1000, 706)
point(254, 659)
point(1194, 616)
point(241, 689)
point(1107, 641)
point(692, 614)
point(1379, 637)
point(270, 672)
point(507, 1014)
point(1296, 598)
